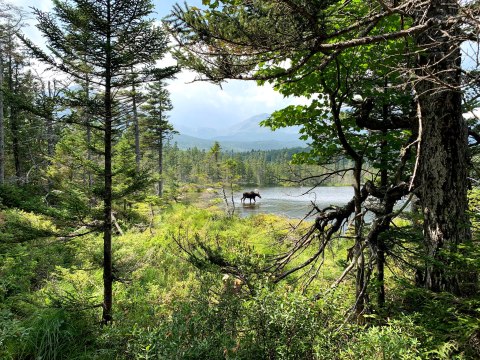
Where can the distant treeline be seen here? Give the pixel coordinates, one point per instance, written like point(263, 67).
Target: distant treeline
point(255, 167)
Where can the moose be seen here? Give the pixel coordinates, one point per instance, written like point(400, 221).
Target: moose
point(250, 195)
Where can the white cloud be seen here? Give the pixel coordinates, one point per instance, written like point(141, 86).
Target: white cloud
point(209, 105)
point(196, 104)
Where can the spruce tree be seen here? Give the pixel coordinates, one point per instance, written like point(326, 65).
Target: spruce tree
point(109, 38)
point(157, 127)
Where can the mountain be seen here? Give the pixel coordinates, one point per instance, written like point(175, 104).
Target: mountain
point(244, 136)
point(250, 130)
point(200, 132)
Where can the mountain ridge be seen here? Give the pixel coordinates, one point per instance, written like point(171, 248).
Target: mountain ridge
point(242, 136)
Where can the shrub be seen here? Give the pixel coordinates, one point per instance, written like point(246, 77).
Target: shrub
point(279, 325)
point(397, 340)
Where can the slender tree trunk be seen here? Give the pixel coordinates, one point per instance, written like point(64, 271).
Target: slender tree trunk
point(380, 246)
point(381, 272)
point(107, 207)
point(49, 126)
point(136, 127)
point(14, 126)
point(89, 152)
point(2, 127)
point(360, 285)
point(443, 159)
point(50, 137)
point(86, 121)
point(160, 166)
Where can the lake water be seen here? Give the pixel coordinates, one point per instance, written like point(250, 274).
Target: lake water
point(293, 202)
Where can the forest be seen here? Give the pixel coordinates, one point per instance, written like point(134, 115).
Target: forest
point(256, 168)
point(116, 244)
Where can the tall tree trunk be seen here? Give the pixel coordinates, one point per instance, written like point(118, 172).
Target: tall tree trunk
point(160, 166)
point(360, 284)
point(14, 125)
point(89, 152)
point(49, 125)
point(443, 159)
point(361, 297)
point(107, 197)
point(50, 136)
point(2, 127)
point(136, 127)
point(380, 246)
point(86, 121)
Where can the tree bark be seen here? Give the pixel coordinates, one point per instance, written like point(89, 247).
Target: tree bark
point(107, 197)
point(50, 136)
point(137, 128)
point(160, 165)
point(14, 126)
point(441, 177)
point(380, 246)
point(89, 132)
point(360, 283)
point(2, 127)
point(361, 297)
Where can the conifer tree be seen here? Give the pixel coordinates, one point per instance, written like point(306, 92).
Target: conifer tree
point(109, 37)
point(157, 127)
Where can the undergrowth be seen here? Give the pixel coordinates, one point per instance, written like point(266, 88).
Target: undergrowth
point(174, 303)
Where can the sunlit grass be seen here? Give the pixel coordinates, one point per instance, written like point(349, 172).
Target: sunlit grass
point(165, 307)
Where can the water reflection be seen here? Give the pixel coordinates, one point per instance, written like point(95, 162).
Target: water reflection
point(292, 202)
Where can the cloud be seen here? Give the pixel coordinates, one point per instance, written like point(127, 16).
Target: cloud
point(208, 105)
point(196, 104)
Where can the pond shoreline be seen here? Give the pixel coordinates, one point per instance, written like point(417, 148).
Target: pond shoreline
point(291, 202)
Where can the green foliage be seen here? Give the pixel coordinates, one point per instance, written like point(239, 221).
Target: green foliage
point(172, 300)
point(397, 340)
point(19, 227)
point(52, 334)
point(157, 128)
point(255, 168)
point(282, 324)
point(29, 198)
point(168, 309)
point(216, 322)
point(197, 329)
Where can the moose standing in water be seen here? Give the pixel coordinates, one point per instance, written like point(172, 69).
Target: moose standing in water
point(250, 195)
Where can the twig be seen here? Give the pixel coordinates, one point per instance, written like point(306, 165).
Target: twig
point(419, 139)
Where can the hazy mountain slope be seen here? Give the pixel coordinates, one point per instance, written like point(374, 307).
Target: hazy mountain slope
point(243, 136)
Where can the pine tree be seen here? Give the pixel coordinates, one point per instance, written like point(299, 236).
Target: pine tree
point(156, 124)
point(109, 37)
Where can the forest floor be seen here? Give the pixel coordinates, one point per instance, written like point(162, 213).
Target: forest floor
point(172, 299)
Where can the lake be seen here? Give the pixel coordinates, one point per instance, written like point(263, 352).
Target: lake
point(293, 202)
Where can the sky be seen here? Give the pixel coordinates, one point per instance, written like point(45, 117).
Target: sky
point(198, 104)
